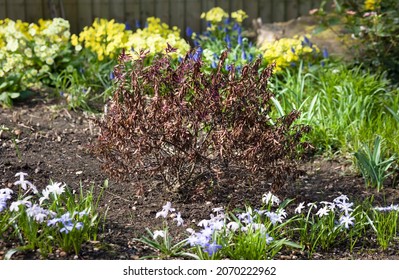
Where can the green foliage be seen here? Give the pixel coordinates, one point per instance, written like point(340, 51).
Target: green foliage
point(384, 221)
point(223, 33)
point(372, 164)
point(54, 218)
point(374, 25)
point(344, 106)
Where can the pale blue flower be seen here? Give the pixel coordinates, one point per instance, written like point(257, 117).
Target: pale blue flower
point(192, 240)
point(37, 213)
point(212, 248)
point(218, 225)
point(218, 210)
point(387, 208)
point(274, 217)
point(269, 239)
point(3, 203)
point(208, 231)
point(245, 217)
point(341, 199)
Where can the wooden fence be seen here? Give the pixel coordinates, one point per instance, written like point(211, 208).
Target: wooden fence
point(181, 13)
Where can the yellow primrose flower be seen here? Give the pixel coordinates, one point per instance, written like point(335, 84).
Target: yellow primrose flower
point(239, 15)
point(215, 15)
point(105, 38)
point(286, 51)
point(155, 39)
point(371, 5)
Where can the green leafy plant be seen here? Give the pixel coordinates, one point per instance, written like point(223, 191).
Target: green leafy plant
point(374, 25)
point(372, 164)
point(54, 218)
point(384, 222)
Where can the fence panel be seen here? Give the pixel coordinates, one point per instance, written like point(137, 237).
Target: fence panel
point(182, 13)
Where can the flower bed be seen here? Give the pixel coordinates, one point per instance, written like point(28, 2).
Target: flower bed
point(214, 131)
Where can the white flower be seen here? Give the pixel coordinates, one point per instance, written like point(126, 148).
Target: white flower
point(260, 227)
point(15, 205)
point(165, 210)
point(233, 226)
point(204, 223)
point(24, 183)
point(178, 219)
point(323, 211)
point(301, 206)
point(282, 213)
point(346, 221)
point(158, 233)
point(6, 193)
point(345, 207)
point(312, 205)
point(269, 197)
point(218, 209)
point(340, 199)
point(56, 188)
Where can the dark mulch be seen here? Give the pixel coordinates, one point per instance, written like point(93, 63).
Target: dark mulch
point(52, 144)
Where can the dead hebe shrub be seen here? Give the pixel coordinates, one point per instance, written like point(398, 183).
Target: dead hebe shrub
point(180, 123)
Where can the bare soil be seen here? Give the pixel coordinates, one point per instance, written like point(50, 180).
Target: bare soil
point(50, 143)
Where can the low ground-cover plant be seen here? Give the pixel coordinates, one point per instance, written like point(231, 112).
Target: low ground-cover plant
point(52, 218)
point(263, 233)
point(179, 122)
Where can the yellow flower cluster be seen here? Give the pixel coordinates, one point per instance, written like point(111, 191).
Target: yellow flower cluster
point(215, 15)
point(239, 15)
point(155, 38)
point(286, 51)
point(371, 5)
point(105, 38)
point(26, 46)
